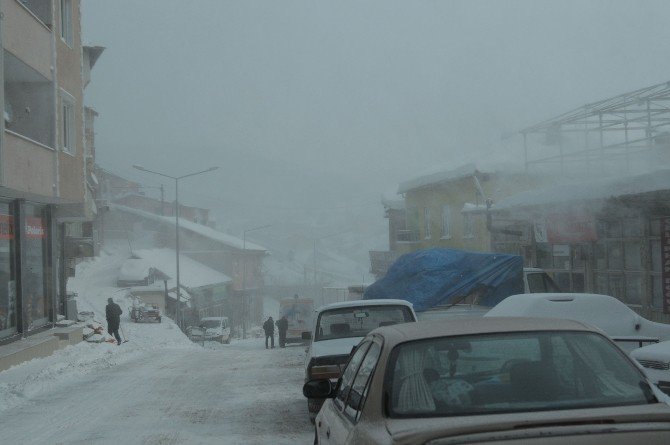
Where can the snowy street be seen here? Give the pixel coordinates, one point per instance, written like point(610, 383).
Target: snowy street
point(238, 393)
point(157, 388)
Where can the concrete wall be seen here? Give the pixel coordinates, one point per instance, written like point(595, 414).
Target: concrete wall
point(28, 166)
point(70, 72)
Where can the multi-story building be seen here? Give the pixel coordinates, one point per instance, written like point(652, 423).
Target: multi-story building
point(42, 158)
point(445, 209)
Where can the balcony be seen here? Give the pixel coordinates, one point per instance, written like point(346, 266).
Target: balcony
point(29, 102)
point(407, 236)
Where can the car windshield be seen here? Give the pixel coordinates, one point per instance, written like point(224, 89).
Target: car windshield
point(498, 373)
point(358, 321)
point(210, 323)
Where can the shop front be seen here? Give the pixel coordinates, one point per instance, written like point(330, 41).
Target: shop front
point(618, 246)
point(26, 272)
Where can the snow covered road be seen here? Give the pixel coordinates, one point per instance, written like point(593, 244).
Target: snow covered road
point(158, 388)
point(231, 394)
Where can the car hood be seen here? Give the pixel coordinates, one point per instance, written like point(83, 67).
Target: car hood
point(658, 352)
point(516, 426)
point(336, 346)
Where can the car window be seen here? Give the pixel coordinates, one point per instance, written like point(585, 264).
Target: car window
point(356, 398)
point(358, 321)
point(511, 372)
point(350, 373)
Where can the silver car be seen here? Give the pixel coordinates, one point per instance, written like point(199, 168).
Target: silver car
point(492, 380)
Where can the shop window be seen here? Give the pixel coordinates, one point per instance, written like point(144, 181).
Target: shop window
point(614, 255)
point(578, 284)
point(634, 289)
point(8, 306)
point(656, 292)
point(35, 297)
point(616, 286)
point(633, 255)
point(601, 256)
point(602, 284)
point(655, 227)
point(562, 279)
point(544, 256)
point(633, 227)
point(655, 246)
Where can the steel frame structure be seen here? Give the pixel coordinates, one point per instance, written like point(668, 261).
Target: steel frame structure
point(618, 128)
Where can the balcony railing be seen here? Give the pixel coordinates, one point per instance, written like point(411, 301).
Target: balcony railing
point(407, 236)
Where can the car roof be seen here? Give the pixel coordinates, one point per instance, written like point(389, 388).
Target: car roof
point(440, 328)
point(358, 303)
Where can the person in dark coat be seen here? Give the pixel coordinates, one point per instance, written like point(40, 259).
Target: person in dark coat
point(269, 328)
point(113, 314)
point(282, 327)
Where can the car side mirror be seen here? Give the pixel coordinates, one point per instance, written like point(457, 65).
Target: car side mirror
point(306, 335)
point(318, 389)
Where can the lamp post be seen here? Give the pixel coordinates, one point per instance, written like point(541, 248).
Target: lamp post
point(244, 277)
point(176, 216)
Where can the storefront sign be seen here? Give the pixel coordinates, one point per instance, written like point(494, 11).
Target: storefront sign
point(35, 227)
point(561, 250)
point(6, 227)
point(571, 227)
point(665, 258)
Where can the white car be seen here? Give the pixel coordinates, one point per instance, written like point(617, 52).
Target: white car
point(338, 328)
point(634, 334)
point(216, 329)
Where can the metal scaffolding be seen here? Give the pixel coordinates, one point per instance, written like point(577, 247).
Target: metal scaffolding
point(625, 133)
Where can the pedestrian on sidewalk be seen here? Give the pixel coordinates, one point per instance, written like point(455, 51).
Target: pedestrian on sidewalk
point(282, 327)
point(269, 328)
point(113, 314)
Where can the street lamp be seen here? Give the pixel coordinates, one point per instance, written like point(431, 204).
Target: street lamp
point(244, 276)
point(176, 216)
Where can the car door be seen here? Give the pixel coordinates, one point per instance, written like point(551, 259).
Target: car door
point(345, 419)
point(330, 412)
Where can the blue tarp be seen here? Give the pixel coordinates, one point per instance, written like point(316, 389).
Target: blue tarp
point(436, 277)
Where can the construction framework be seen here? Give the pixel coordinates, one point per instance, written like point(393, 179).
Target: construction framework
point(628, 129)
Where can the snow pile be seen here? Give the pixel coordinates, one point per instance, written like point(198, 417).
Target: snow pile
point(93, 284)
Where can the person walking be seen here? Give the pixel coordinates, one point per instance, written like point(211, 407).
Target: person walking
point(113, 314)
point(269, 328)
point(282, 327)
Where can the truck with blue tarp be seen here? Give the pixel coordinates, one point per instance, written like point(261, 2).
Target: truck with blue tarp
point(440, 278)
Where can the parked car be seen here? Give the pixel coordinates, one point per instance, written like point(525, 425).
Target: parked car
point(492, 380)
point(630, 331)
point(215, 329)
point(145, 312)
point(339, 327)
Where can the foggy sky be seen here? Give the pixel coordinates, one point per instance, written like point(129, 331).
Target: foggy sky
point(313, 104)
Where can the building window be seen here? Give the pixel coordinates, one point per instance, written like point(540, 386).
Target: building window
point(446, 229)
point(426, 222)
point(66, 21)
point(68, 133)
point(468, 226)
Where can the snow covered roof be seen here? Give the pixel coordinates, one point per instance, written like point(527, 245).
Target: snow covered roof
point(190, 226)
point(469, 207)
point(192, 274)
point(393, 201)
point(591, 190)
point(436, 175)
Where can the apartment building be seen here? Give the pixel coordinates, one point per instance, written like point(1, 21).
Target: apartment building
point(42, 158)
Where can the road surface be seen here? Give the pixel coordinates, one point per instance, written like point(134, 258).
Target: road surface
point(232, 394)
